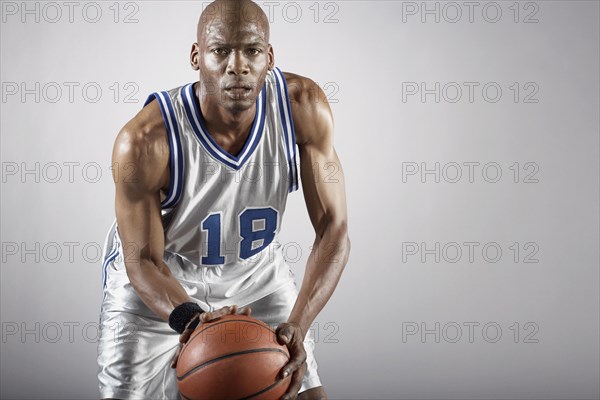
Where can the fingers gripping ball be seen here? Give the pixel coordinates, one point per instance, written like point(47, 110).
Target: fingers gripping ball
point(232, 357)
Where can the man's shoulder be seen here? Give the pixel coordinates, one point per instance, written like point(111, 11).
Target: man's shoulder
point(146, 127)
point(300, 88)
point(143, 140)
point(310, 109)
point(149, 123)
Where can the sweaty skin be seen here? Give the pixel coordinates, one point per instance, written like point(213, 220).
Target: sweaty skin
point(233, 56)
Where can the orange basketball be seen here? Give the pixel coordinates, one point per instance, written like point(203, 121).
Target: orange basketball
point(233, 357)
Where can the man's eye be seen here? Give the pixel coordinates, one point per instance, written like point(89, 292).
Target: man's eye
point(253, 52)
point(220, 51)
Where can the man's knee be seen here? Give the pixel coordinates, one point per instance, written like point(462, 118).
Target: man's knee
point(317, 393)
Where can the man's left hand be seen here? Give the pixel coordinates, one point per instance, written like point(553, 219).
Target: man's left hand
point(291, 335)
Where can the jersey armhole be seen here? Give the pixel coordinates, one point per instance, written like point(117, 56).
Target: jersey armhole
point(175, 156)
point(289, 133)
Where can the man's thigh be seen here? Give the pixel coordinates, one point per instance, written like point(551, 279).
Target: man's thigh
point(134, 357)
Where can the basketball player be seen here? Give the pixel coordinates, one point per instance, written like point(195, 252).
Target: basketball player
point(203, 175)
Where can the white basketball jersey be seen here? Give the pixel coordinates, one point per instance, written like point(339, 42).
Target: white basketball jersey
point(223, 213)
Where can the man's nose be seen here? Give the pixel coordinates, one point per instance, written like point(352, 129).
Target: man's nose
point(238, 65)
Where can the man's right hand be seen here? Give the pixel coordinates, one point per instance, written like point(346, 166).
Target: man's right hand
point(201, 318)
point(233, 310)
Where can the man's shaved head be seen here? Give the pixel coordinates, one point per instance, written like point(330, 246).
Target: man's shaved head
point(233, 13)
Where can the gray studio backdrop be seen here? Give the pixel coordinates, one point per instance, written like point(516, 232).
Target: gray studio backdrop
point(468, 132)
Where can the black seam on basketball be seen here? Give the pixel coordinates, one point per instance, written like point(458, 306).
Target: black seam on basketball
point(197, 367)
point(264, 390)
point(263, 325)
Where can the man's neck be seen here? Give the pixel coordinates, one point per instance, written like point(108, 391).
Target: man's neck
point(229, 129)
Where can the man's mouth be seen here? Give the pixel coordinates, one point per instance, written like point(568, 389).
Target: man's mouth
point(238, 91)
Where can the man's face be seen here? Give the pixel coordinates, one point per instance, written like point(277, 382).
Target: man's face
point(233, 58)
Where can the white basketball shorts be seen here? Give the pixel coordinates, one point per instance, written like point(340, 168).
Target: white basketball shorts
point(136, 347)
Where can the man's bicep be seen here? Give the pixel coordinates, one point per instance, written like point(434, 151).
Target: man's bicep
point(140, 224)
point(323, 184)
point(320, 168)
point(137, 203)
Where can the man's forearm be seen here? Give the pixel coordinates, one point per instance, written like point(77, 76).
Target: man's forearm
point(156, 287)
point(324, 268)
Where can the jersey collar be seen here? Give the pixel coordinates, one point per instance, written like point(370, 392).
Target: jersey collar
point(196, 121)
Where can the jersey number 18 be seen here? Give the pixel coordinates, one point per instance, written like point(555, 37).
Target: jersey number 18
point(249, 233)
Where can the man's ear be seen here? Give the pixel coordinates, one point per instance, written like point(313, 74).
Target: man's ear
point(271, 57)
point(195, 57)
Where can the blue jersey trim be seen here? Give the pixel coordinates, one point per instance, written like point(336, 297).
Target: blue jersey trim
point(107, 261)
point(291, 119)
point(285, 135)
point(288, 128)
point(209, 144)
point(175, 154)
